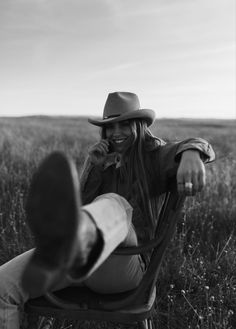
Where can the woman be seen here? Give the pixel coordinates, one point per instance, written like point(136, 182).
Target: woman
point(124, 175)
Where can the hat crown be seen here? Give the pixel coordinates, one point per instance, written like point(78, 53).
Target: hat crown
point(120, 103)
point(122, 106)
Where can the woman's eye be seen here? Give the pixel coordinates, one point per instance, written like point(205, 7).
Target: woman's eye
point(125, 123)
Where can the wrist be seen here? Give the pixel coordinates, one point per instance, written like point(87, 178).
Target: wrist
point(190, 153)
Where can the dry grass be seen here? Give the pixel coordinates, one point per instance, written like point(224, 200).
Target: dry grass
point(198, 277)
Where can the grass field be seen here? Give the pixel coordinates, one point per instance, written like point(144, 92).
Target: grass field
point(198, 277)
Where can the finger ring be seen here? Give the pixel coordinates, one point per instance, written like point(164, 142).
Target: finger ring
point(188, 185)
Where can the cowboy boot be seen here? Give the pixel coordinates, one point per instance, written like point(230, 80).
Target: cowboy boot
point(63, 234)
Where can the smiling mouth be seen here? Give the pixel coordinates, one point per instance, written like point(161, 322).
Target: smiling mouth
point(119, 141)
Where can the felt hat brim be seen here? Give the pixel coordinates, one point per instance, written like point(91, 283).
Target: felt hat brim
point(144, 114)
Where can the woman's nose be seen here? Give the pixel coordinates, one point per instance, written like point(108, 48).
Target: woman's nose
point(116, 130)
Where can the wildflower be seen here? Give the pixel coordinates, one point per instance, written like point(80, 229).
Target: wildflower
point(183, 292)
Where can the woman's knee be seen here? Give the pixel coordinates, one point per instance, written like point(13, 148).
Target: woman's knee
point(131, 238)
point(10, 290)
point(11, 276)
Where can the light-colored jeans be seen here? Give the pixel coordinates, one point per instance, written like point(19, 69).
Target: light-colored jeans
point(109, 273)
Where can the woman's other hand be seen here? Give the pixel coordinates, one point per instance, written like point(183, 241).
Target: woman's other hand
point(191, 174)
point(98, 152)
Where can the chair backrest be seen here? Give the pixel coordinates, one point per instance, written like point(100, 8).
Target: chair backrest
point(166, 224)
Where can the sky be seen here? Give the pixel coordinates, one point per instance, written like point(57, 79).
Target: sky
point(63, 57)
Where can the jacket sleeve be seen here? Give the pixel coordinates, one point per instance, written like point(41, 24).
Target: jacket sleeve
point(167, 158)
point(205, 149)
point(90, 181)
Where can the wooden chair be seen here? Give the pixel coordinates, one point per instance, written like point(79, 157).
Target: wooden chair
point(135, 307)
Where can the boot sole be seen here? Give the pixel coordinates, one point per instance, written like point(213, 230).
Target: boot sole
point(52, 213)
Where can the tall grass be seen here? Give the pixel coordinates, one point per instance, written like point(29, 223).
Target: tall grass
point(197, 284)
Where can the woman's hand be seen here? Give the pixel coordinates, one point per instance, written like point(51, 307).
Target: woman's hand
point(98, 152)
point(191, 171)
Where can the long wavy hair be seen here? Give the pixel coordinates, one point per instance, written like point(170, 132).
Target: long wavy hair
point(134, 169)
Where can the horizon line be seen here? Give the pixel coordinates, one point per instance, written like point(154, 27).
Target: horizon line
point(87, 116)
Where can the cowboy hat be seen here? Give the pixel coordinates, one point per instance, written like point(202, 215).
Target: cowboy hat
point(122, 106)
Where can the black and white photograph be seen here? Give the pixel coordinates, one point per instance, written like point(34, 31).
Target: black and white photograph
point(117, 164)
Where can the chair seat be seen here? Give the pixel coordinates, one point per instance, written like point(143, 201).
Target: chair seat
point(84, 304)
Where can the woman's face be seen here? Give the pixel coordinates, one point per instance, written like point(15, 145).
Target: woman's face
point(119, 135)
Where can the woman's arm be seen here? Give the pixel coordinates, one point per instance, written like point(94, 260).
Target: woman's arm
point(90, 181)
point(184, 162)
point(191, 170)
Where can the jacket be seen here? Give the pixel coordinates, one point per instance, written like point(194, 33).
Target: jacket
point(161, 163)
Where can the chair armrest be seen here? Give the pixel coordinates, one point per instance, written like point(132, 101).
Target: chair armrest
point(135, 250)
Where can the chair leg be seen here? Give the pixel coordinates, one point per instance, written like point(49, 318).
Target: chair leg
point(146, 324)
point(143, 325)
point(150, 324)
